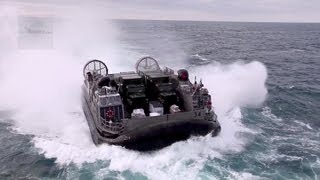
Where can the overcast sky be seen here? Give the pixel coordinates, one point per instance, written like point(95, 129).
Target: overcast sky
point(206, 10)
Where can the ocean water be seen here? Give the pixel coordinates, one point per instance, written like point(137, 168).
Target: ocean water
point(264, 79)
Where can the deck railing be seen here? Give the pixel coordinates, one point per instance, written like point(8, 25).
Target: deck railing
point(112, 126)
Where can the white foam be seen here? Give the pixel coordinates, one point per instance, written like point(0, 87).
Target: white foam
point(304, 124)
point(267, 113)
point(244, 176)
point(44, 89)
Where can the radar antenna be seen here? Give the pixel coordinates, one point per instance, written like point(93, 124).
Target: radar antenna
point(147, 64)
point(95, 66)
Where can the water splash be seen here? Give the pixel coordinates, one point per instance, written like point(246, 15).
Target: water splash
point(43, 86)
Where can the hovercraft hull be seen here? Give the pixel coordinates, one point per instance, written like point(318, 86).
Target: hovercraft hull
point(151, 133)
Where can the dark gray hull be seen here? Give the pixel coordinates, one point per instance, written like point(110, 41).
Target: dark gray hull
point(151, 133)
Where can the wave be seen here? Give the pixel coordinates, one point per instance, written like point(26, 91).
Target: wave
point(196, 60)
point(266, 111)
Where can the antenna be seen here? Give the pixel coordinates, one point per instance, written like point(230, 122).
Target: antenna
point(201, 85)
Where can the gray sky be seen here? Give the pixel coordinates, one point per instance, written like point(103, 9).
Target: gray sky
point(212, 10)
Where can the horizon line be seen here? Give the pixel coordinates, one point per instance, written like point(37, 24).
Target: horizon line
point(227, 21)
point(183, 20)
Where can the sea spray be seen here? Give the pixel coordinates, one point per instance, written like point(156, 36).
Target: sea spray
point(43, 86)
point(238, 84)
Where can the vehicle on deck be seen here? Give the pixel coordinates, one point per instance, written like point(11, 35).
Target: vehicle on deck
point(145, 109)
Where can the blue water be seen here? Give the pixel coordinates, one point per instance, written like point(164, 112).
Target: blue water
point(276, 139)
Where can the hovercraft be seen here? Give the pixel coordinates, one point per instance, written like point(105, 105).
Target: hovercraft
point(145, 109)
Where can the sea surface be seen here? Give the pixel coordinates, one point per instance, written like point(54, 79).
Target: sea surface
point(264, 79)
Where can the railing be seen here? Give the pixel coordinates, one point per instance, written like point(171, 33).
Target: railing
point(168, 71)
point(112, 126)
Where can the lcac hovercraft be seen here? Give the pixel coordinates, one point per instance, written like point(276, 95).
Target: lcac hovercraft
point(145, 109)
